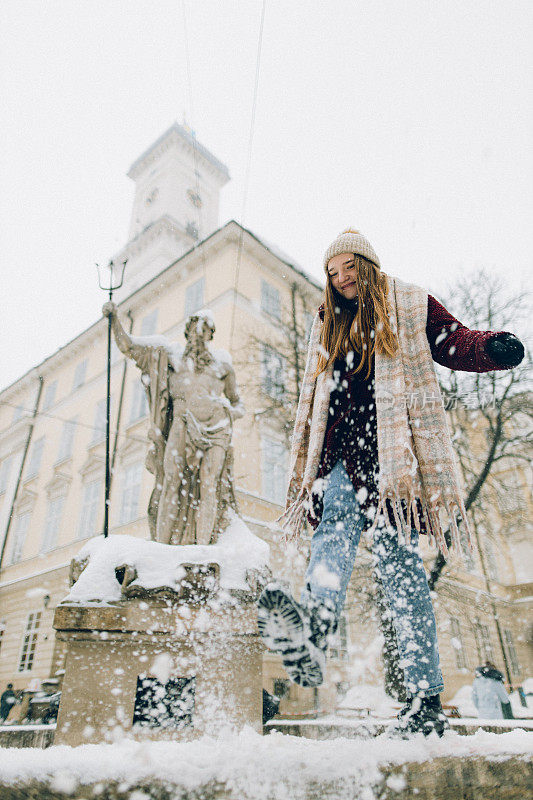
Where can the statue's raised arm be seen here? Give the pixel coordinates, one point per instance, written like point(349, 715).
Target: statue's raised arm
point(153, 362)
point(137, 352)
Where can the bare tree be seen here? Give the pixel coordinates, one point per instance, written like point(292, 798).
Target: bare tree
point(494, 409)
point(281, 355)
point(491, 414)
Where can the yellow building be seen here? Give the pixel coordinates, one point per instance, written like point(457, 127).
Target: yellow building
point(52, 424)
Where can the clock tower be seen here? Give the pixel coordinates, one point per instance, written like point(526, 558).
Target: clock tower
point(176, 203)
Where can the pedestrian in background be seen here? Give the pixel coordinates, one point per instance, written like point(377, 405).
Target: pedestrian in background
point(488, 693)
point(7, 701)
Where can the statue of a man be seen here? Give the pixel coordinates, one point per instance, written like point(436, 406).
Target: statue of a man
point(193, 401)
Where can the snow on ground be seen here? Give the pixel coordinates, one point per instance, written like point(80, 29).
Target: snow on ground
point(159, 565)
point(462, 700)
point(246, 761)
point(366, 696)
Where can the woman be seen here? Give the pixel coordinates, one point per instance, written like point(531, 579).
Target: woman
point(371, 449)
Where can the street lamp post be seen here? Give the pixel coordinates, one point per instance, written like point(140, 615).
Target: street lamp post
point(110, 279)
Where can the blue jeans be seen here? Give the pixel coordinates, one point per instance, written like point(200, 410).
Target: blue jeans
point(333, 550)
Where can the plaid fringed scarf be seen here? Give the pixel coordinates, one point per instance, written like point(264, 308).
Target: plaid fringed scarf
point(415, 452)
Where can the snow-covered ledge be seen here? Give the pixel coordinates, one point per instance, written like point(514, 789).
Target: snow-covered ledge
point(241, 556)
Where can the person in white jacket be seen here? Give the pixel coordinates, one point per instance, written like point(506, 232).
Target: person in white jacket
point(488, 692)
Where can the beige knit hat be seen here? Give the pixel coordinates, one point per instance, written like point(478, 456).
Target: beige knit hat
point(351, 241)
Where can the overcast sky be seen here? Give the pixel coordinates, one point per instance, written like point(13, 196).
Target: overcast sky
point(408, 119)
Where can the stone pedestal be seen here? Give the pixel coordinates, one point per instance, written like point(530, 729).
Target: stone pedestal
point(159, 667)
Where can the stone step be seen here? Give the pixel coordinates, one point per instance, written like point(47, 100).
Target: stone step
point(364, 727)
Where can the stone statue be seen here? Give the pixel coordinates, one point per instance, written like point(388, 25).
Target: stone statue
point(193, 401)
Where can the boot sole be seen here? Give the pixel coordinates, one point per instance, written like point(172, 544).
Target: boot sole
point(285, 632)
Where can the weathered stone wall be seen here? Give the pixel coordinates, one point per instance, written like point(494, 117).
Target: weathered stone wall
point(440, 779)
point(41, 736)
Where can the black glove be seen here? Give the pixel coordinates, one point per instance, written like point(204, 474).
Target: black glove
point(505, 349)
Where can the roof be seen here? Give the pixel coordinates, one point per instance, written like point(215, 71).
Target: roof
point(279, 253)
point(189, 138)
point(271, 248)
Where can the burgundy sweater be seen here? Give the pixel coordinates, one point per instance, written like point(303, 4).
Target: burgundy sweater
point(351, 432)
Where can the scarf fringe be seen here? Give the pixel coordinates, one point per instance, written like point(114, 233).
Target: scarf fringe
point(292, 520)
point(404, 501)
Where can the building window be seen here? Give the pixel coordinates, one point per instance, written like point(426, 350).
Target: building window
point(339, 640)
point(468, 558)
point(270, 300)
point(29, 642)
point(483, 643)
point(274, 469)
point(92, 494)
point(511, 652)
point(308, 322)
point(100, 421)
point(20, 529)
point(131, 487)
point(5, 469)
point(457, 643)
point(192, 230)
point(18, 412)
point(35, 459)
point(149, 323)
point(194, 297)
point(342, 688)
point(49, 396)
point(79, 374)
point(67, 439)
point(492, 565)
point(115, 351)
point(52, 523)
point(511, 493)
point(193, 196)
point(272, 372)
point(139, 402)
point(281, 688)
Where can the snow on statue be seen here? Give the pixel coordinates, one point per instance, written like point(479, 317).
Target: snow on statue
point(193, 400)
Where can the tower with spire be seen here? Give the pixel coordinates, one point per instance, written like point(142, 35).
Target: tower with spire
point(176, 203)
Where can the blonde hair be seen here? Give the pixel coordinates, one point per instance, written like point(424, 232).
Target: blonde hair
point(364, 332)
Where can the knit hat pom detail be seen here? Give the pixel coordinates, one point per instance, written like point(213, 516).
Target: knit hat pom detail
point(351, 241)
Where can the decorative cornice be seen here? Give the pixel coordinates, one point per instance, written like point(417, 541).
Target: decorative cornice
point(13, 438)
point(26, 500)
point(13, 392)
point(94, 463)
point(165, 224)
point(178, 135)
point(131, 448)
point(58, 484)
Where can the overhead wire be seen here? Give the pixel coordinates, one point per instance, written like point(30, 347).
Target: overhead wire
point(72, 421)
point(247, 171)
point(198, 198)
